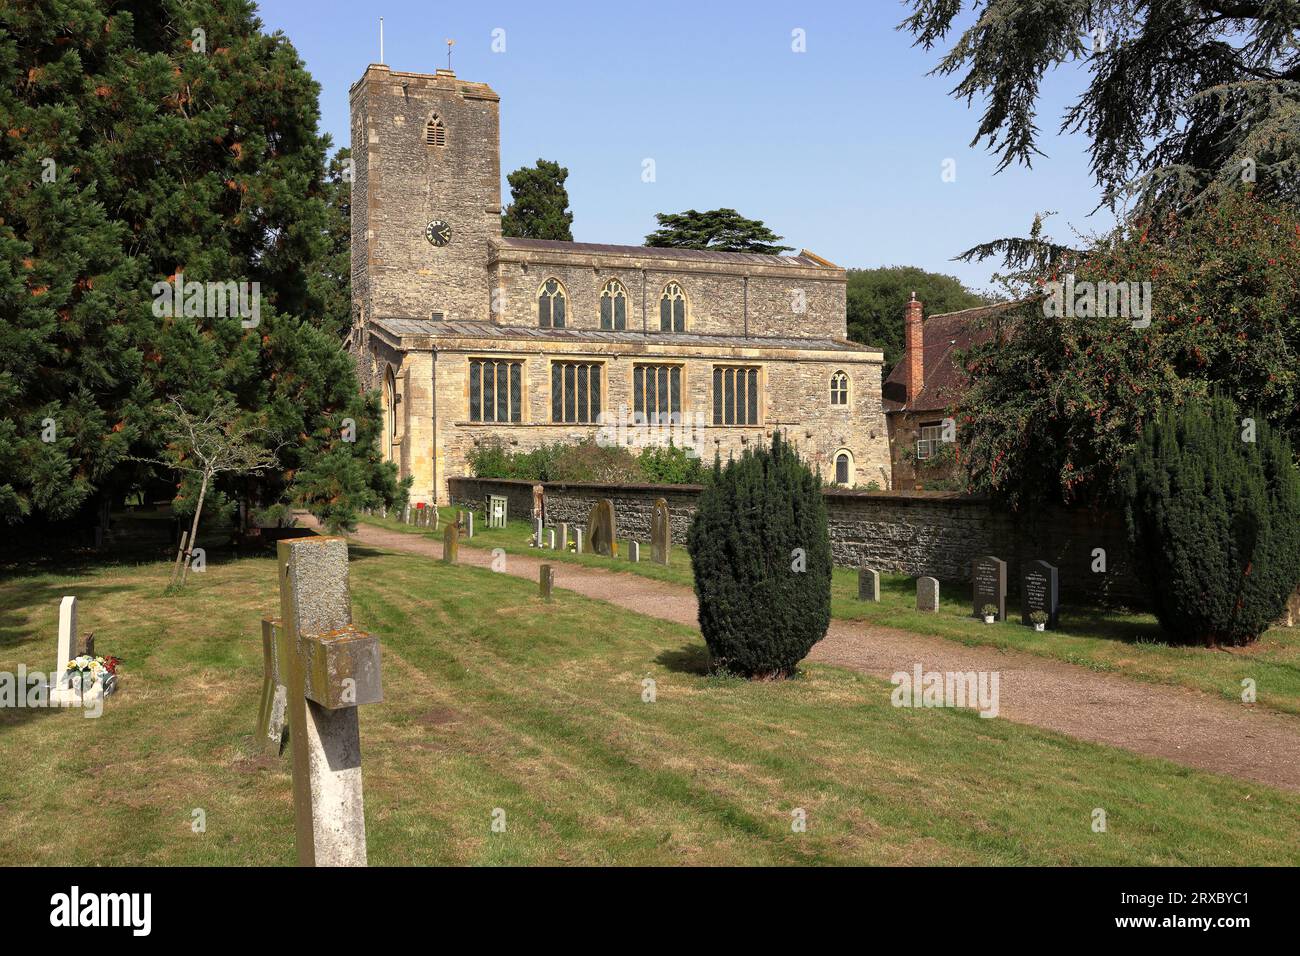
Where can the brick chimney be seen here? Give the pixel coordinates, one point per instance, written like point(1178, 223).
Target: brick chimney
point(914, 345)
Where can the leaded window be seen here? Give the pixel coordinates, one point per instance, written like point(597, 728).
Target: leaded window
point(495, 390)
point(575, 392)
point(672, 309)
point(613, 306)
point(735, 395)
point(657, 392)
point(839, 389)
point(551, 301)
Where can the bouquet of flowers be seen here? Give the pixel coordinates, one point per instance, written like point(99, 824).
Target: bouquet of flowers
point(85, 671)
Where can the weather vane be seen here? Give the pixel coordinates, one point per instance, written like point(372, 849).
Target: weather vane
point(450, 44)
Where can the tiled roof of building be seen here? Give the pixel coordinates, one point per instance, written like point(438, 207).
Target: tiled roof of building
point(488, 330)
point(803, 260)
point(944, 381)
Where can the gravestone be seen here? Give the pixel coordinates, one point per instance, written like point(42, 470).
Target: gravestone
point(989, 585)
point(927, 594)
point(469, 524)
point(1040, 591)
point(406, 514)
point(451, 544)
point(660, 532)
point(537, 532)
point(564, 536)
point(868, 585)
point(634, 551)
point(539, 504)
point(546, 582)
point(332, 669)
point(67, 636)
point(497, 506)
point(602, 529)
point(275, 691)
point(551, 535)
point(577, 540)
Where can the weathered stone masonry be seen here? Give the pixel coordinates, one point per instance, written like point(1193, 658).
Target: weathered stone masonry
point(423, 312)
point(920, 533)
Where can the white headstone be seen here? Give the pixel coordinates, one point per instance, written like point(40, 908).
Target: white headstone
point(564, 536)
point(577, 539)
point(551, 533)
point(67, 642)
point(634, 550)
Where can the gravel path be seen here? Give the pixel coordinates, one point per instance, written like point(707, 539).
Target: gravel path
point(1185, 726)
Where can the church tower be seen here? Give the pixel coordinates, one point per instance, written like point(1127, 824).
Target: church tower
point(426, 195)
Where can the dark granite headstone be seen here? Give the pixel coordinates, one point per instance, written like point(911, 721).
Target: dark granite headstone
point(989, 584)
point(1040, 591)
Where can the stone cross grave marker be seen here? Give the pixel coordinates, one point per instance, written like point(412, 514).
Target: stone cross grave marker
point(927, 594)
point(332, 669)
point(497, 506)
point(868, 585)
point(546, 582)
point(272, 713)
point(539, 503)
point(989, 585)
point(602, 529)
point(660, 532)
point(1040, 591)
point(450, 544)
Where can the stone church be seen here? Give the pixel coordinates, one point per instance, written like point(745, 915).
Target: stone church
point(471, 337)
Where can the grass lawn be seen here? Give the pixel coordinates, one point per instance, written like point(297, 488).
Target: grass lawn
point(495, 700)
point(1103, 640)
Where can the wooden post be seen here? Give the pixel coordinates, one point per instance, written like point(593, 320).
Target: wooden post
point(546, 584)
point(450, 544)
point(180, 553)
point(332, 668)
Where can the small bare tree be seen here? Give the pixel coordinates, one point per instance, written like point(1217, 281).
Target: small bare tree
point(207, 446)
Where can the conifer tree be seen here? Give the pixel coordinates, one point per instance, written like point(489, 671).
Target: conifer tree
point(761, 554)
point(1213, 509)
point(143, 143)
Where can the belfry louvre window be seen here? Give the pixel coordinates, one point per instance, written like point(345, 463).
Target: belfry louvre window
point(575, 392)
point(657, 391)
point(495, 390)
point(672, 309)
point(613, 306)
point(551, 301)
point(839, 389)
point(435, 133)
point(735, 395)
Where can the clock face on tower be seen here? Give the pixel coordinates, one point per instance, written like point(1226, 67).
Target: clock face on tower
point(438, 232)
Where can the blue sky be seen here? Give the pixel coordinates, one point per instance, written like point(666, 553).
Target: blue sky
point(840, 149)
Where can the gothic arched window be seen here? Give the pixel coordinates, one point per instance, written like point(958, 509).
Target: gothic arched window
point(843, 468)
point(613, 306)
point(672, 309)
point(435, 133)
point(839, 389)
point(551, 300)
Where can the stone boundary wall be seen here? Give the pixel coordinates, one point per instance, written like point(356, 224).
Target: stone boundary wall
point(914, 533)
